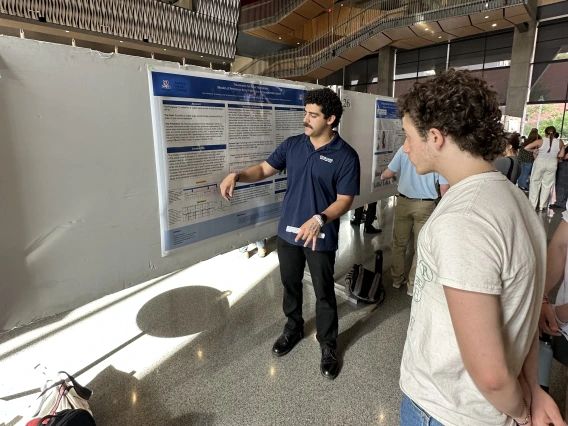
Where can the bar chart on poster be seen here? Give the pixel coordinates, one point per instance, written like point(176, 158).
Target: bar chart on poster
point(206, 127)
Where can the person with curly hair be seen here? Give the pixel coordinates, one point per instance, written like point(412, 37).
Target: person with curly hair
point(323, 179)
point(550, 151)
point(471, 351)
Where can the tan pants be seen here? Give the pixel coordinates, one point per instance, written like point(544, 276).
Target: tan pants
point(543, 177)
point(409, 215)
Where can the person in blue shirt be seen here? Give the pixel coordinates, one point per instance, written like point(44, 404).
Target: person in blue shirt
point(416, 201)
point(323, 178)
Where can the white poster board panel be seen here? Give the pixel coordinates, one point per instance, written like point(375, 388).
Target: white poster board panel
point(78, 179)
point(206, 127)
point(358, 129)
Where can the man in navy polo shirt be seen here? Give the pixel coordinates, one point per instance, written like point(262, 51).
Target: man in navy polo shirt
point(323, 178)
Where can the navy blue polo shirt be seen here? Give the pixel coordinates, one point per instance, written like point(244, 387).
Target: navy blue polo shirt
point(315, 177)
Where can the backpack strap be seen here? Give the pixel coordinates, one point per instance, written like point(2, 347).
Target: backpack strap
point(82, 391)
point(374, 286)
point(359, 283)
point(510, 168)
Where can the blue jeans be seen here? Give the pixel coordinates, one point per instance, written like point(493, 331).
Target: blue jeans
point(526, 169)
point(412, 415)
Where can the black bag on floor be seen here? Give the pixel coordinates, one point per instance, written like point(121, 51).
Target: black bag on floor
point(365, 285)
point(76, 417)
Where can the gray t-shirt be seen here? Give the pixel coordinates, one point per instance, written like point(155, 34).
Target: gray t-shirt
point(510, 167)
point(484, 237)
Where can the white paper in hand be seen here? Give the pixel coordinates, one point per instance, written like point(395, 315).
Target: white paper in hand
point(297, 230)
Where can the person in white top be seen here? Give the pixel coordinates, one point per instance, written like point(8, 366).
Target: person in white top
point(550, 150)
point(554, 318)
point(471, 352)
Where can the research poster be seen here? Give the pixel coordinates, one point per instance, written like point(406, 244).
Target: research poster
point(389, 137)
point(205, 127)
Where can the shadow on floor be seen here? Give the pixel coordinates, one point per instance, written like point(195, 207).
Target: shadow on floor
point(184, 311)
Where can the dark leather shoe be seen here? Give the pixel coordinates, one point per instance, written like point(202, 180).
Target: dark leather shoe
point(372, 230)
point(355, 223)
point(286, 342)
point(329, 366)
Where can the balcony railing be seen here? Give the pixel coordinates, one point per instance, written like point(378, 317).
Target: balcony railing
point(211, 29)
point(266, 12)
point(364, 25)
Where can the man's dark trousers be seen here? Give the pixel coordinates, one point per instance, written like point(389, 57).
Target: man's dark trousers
point(321, 263)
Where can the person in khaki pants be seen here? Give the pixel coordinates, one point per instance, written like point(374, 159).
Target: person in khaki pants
point(416, 201)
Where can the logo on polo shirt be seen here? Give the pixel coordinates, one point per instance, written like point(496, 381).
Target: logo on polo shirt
point(329, 160)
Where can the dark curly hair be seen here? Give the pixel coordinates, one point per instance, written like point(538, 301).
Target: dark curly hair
point(461, 106)
point(328, 101)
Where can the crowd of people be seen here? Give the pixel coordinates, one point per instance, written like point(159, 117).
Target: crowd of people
point(536, 165)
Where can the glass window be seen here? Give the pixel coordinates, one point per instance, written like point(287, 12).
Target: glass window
point(373, 69)
point(553, 31)
point(356, 72)
point(552, 50)
point(434, 52)
point(403, 86)
point(467, 46)
point(470, 61)
point(430, 67)
point(501, 41)
point(407, 56)
point(549, 82)
point(405, 70)
point(335, 79)
point(543, 115)
point(552, 42)
point(498, 79)
point(498, 58)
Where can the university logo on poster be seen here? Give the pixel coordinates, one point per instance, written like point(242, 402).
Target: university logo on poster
point(166, 84)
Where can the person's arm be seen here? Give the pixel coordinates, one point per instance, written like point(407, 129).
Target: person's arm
point(252, 174)
point(555, 263)
point(562, 152)
point(394, 166)
point(534, 146)
point(388, 174)
point(476, 318)
point(544, 410)
point(444, 188)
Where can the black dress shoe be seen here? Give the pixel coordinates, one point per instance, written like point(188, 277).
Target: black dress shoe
point(355, 222)
point(372, 230)
point(329, 366)
point(286, 342)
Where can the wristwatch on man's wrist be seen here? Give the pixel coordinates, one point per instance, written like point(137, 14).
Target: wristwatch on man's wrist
point(323, 218)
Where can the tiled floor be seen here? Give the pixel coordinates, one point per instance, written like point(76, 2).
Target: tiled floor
point(194, 348)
